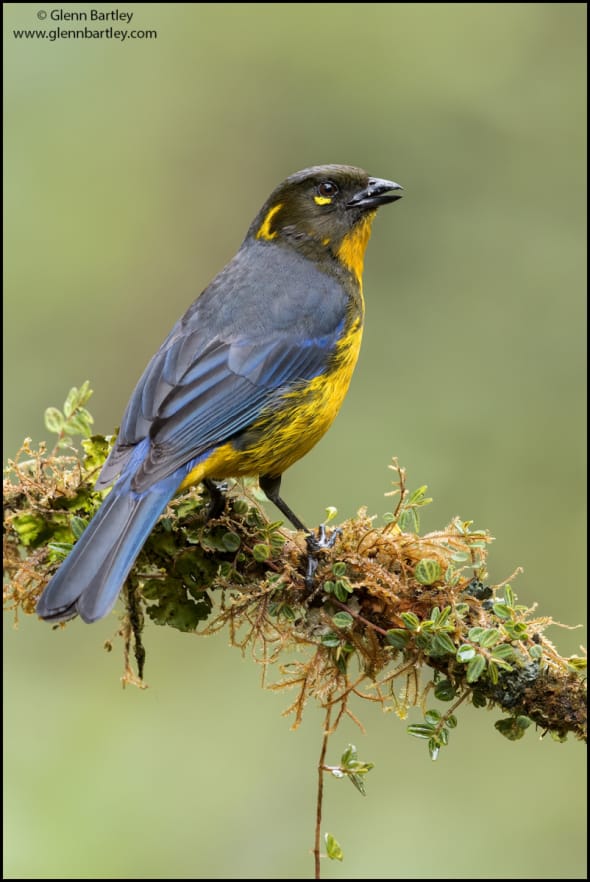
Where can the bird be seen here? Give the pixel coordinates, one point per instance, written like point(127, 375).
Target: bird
point(246, 383)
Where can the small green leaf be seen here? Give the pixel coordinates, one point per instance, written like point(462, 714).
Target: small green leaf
point(432, 716)
point(451, 721)
point(231, 541)
point(490, 637)
point(397, 637)
point(504, 651)
point(331, 513)
point(330, 639)
point(60, 549)
point(78, 526)
point(475, 668)
point(417, 495)
point(359, 783)
point(342, 620)
point(421, 730)
point(442, 644)
point(576, 663)
point(339, 568)
point(333, 848)
point(427, 571)
point(465, 653)
point(502, 611)
point(54, 420)
point(443, 617)
point(536, 651)
point(445, 691)
point(340, 591)
point(349, 755)
point(409, 521)
point(475, 634)
point(513, 728)
point(434, 748)
point(410, 620)
point(261, 552)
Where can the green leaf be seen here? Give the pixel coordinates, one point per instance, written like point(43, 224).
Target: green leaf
point(427, 571)
point(60, 549)
point(536, 651)
point(432, 716)
point(442, 644)
point(339, 568)
point(261, 552)
point(409, 521)
point(96, 449)
point(29, 528)
point(576, 662)
point(513, 728)
point(490, 637)
point(342, 620)
point(443, 617)
point(78, 526)
point(330, 639)
point(397, 637)
point(359, 783)
point(331, 513)
point(502, 611)
point(410, 620)
point(475, 668)
point(421, 730)
point(434, 748)
point(341, 591)
point(504, 651)
point(80, 423)
point(451, 722)
point(349, 755)
point(465, 653)
point(475, 634)
point(54, 420)
point(231, 541)
point(445, 691)
point(333, 848)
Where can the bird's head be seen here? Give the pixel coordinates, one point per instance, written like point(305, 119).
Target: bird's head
point(327, 208)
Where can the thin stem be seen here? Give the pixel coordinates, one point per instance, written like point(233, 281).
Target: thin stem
point(320, 796)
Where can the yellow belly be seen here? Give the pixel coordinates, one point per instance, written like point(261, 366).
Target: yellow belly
point(292, 427)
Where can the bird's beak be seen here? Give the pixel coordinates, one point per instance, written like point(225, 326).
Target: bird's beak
point(377, 193)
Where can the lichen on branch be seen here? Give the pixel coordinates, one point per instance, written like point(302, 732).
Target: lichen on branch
point(395, 617)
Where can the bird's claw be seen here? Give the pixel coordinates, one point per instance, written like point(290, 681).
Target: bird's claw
point(216, 505)
point(314, 543)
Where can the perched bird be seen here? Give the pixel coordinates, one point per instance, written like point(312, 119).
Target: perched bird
point(246, 383)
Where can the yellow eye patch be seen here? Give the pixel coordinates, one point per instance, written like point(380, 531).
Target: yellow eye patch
point(321, 200)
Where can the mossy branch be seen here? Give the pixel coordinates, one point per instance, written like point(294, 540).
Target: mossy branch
point(396, 617)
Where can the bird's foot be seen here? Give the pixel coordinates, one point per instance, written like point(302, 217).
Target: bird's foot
point(216, 491)
point(315, 544)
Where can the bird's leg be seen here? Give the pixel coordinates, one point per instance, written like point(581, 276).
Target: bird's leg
point(271, 485)
point(216, 493)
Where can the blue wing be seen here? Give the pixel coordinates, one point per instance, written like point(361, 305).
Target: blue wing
point(220, 367)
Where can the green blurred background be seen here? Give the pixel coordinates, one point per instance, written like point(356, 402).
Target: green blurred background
point(132, 173)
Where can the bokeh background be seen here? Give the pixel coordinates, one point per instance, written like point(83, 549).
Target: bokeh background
point(132, 173)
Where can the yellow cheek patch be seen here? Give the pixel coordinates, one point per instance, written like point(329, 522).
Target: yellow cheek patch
point(265, 231)
point(321, 200)
point(352, 248)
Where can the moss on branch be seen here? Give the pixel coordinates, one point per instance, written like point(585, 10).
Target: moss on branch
point(395, 617)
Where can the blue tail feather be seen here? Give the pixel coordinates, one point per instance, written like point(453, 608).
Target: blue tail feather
point(88, 582)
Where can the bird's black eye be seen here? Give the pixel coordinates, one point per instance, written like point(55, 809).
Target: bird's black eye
point(327, 189)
